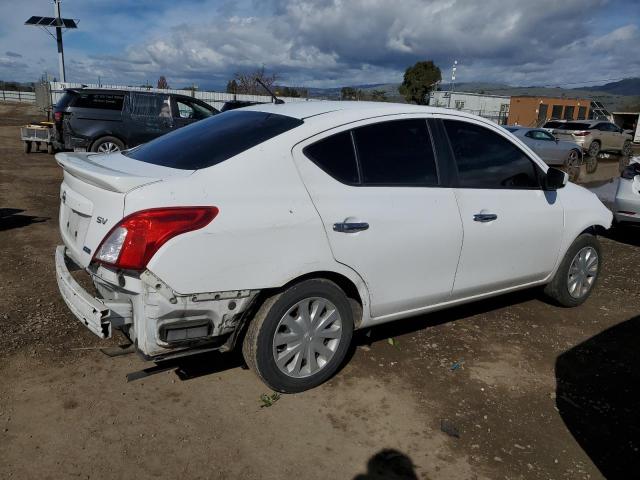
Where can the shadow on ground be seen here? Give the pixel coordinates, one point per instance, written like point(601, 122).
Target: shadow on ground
point(598, 394)
point(11, 218)
point(389, 464)
point(625, 233)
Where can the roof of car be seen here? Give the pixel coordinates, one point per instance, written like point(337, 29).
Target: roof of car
point(307, 109)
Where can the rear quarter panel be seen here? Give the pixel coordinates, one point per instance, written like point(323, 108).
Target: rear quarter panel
point(266, 233)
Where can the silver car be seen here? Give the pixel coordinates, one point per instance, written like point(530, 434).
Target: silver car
point(548, 147)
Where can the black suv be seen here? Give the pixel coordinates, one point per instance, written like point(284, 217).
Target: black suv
point(104, 120)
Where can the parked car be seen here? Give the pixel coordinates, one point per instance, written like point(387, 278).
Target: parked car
point(233, 104)
point(548, 147)
point(594, 136)
point(111, 120)
point(627, 201)
point(282, 228)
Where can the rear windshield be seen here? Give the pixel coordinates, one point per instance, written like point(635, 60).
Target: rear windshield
point(214, 140)
point(64, 101)
point(574, 126)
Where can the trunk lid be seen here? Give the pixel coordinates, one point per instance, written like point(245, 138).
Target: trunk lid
point(93, 195)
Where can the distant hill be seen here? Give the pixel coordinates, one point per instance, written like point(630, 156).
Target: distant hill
point(628, 86)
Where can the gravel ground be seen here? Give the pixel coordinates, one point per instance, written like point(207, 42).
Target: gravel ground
point(509, 388)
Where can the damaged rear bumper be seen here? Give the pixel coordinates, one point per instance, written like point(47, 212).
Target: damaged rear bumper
point(94, 313)
point(158, 320)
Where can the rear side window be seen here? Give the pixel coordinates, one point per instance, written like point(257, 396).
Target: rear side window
point(396, 153)
point(101, 101)
point(213, 140)
point(335, 156)
point(575, 126)
point(488, 160)
point(64, 101)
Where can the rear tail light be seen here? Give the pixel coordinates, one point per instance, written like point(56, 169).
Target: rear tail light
point(581, 133)
point(135, 240)
point(57, 116)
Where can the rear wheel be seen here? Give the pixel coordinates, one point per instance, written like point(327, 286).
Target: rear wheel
point(107, 145)
point(26, 146)
point(299, 338)
point(578, 273)
point(50, 149)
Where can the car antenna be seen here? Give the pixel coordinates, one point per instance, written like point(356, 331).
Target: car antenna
point(276, 100)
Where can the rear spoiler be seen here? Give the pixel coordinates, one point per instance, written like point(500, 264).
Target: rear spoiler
point(81, 166)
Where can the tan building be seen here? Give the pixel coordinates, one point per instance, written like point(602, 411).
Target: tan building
point(530, 111)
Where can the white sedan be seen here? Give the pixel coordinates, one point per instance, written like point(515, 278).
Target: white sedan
point(282, 228)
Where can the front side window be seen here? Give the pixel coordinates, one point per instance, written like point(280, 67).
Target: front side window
point(191, 110)
point(488, 160)
point(396, 153)
point(213, 140)
point(540, 135)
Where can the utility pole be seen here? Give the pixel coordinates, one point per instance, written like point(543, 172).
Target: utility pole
point(56, 13)
point(59, 24)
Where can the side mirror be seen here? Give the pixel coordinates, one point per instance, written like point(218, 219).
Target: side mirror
point(555, 179)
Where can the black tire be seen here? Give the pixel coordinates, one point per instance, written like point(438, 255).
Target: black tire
point(257, 347)
point(50, 149)
point(558, 288)
point(594, 149)
point(26, 147)
point(95, 147)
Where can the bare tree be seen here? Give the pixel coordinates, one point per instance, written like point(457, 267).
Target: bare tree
point(162, 82)
point(248, 83)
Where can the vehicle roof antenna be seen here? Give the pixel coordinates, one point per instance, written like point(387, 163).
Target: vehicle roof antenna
point(276, 100)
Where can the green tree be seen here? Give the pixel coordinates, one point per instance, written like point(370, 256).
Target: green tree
point(418, 81)
point(379, 96)
point(348, 93)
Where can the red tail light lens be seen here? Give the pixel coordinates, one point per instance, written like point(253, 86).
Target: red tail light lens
point(57, 116)
point(135, 240)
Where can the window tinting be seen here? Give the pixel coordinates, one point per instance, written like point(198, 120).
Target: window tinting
point(488, 160)
point(396, 153)
point(335, 156)
point(213, 140)
point(104, 101)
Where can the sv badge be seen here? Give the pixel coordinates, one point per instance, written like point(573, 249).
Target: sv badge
point(101, 220)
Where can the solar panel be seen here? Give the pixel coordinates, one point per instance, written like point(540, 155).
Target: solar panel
point(51, 22)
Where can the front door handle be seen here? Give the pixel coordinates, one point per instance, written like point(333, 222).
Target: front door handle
point(350, 227)
point(485, 217)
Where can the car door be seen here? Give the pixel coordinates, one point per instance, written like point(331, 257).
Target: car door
point(148, 115)
point(548, 145)
point(385, 210)
point(187, 111)
point(512, 228)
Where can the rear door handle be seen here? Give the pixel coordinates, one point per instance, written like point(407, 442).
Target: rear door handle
point(485, 217)
point(350, 227)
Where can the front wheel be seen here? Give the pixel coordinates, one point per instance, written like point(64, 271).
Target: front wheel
point(300, 337)
point(578, 273)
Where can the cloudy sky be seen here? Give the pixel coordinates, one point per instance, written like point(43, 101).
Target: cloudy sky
point(327, 43)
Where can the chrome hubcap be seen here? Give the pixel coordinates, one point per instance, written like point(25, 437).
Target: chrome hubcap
point(582, 272)
point(307, 337)
point(108, 147)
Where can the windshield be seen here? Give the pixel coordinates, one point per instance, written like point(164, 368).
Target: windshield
point(214, 140)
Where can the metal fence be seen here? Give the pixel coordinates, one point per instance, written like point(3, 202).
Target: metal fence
point(17, 96)
point(215, 99)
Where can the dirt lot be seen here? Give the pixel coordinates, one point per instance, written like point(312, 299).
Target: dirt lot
point(511, 388)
